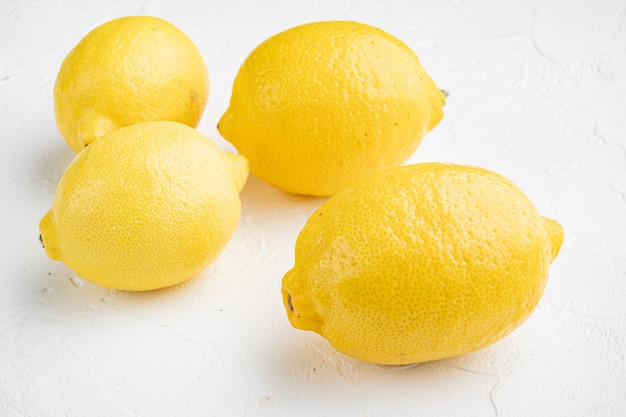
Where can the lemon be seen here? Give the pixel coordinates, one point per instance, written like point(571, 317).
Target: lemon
point(144, 207)
point(419, 263)
point(318, 106)
point(126, 71)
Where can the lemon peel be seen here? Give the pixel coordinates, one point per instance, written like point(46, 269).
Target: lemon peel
point(129, 70)
point(321, 105)
point(420, 262)
point(144, 207)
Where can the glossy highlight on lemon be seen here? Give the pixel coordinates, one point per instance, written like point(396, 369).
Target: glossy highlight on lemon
point(321, 105)
point(145, 207)
point(419, 263)
point(129, 70)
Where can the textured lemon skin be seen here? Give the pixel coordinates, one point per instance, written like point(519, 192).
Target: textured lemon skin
point(318, 106)
point(145, 207)
point(126, 71)
point(419, 263)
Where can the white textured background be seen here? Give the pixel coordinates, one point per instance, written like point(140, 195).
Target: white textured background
point(538, 94)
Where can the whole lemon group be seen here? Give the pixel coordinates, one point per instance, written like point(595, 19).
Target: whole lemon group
point(401, 264)
point(148, 202)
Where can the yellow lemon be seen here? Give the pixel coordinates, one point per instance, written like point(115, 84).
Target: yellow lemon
point(126, 71)
point(145, 207)
point(318, 106)
point(419, 263)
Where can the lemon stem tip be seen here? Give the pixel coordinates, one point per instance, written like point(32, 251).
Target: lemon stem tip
point(444, 95)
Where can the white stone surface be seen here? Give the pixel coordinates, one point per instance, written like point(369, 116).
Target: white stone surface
point(538, 94)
